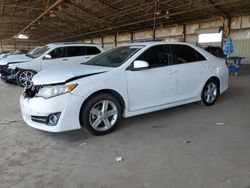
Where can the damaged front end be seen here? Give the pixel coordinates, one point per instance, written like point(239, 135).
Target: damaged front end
point(32, 91)
point(7, 74)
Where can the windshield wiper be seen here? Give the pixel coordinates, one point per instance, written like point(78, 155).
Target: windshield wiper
point(28, 55)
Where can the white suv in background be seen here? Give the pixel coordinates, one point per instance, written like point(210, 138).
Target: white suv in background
point(54, 54)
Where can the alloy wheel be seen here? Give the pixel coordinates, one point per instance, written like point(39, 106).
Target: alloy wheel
point(103, 115)
point(25, 78)
point(211, 92)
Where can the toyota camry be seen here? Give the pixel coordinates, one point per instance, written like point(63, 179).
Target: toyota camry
point(124, 81)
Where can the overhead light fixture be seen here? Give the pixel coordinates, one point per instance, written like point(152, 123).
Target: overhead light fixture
point(60, 8)
point(158, 13)
point(167, 15)
point(52, 14)
point(21, 36)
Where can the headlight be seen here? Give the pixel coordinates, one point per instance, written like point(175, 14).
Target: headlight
point(52, 91)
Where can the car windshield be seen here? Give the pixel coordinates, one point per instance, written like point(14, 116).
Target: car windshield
point(15, 52)
point(12, 52)
point(114, 57)
point(37, 53)
point(32, 51)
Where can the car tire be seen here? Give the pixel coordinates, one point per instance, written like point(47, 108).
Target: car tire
point(24, 77)
point(100, 114)
point(210, 92)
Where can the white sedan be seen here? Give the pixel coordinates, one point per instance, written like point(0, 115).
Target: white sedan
point(122, 82)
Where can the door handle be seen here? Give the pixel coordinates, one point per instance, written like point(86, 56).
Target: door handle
point(171, 72)
point(65, 59)
point(206, 66)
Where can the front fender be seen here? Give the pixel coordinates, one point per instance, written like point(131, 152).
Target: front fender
point(26, 66)
point(12, 66)
point(2, 63)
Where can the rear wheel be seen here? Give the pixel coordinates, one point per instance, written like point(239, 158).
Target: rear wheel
point(101, 114)
point(210, 92)
point(24, 77)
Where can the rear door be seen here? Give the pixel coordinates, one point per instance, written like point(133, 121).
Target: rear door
point(190, 69)
point(76, 54)
point(91, 51)
point(80, 54)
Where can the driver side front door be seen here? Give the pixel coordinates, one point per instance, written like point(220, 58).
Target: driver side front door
point(58, 56)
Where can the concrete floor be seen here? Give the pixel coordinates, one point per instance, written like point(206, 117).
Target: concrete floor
point(180, 147)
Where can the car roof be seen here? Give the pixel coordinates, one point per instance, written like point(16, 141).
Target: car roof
point(157, 43)
point(154, 43)
point(62, 44)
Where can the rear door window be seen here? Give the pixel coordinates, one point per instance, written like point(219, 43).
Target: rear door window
point(74, 51)
point(92, 50)
point(185, 54)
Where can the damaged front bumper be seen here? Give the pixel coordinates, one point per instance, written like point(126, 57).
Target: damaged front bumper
point(38, 111)
point(7, 74)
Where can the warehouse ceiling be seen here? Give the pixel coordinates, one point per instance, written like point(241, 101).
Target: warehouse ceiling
point(63, 20)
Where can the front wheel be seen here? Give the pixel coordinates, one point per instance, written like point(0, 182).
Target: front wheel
point(101, 114)
point(24, 77)
point(210, 93)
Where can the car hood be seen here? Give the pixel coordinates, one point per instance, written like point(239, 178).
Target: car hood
point(15, 59)
point(66, 73)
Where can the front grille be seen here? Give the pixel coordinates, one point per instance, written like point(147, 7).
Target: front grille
point(3, 68)
point(5, 71)
point(40, 119)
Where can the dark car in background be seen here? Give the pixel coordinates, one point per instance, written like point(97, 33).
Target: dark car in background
point(216, 51)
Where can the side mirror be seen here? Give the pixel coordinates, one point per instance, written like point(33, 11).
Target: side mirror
point(47, 57)
point(139, 65)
